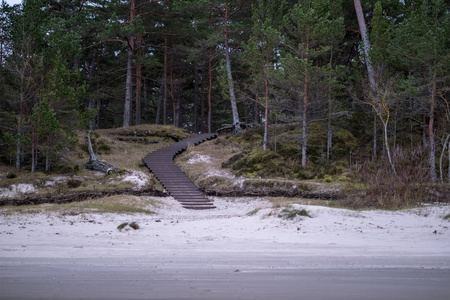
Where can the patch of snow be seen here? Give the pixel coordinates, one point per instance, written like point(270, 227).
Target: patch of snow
point(16, 189)
point(137, 178)
point(55, 180)
point(219, 173)
point(199, 158)
point(239, 182)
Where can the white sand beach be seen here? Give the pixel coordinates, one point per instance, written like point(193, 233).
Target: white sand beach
point(237, 225)
point(240, 235)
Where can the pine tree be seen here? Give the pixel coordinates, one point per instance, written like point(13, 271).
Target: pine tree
point(261, 55)
point(309, 28)
point(420, 45)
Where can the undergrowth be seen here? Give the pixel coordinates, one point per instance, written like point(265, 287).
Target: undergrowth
point(376, 185)
point(282, 159)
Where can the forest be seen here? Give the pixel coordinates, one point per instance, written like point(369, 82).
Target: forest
point(362, 83)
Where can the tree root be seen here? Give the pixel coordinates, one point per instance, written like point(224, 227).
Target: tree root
point(95, 164)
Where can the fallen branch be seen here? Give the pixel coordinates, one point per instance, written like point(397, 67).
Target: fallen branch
point(95, 164)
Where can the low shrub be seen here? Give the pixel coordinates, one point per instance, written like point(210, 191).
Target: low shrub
point(305, 174)
point(256, 163)
point(65, 167)
point(11, 175)
point(73, 183)
point(376, 185)
point(134, 225)
point(122, 226)
point(289, 213)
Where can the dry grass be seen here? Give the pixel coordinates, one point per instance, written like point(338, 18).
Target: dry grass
point(279, 202)
point(124, 148)
point(128, 146)
point(211, 174)
point(123, 204)
point(377, 186)
point(291, 213)
point(218, 150)
point(21, 176)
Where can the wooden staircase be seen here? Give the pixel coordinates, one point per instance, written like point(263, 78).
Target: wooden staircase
point(176, 183)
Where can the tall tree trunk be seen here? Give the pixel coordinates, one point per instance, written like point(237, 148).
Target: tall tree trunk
point(33, 152)
point(138, 79)
point(19, 122)
point(128, 90)
point(139, 68)
point(209, 88)
point(47, 162)
point(370, 71)
point(18, 143)
point(366, 43)
point(330, 107)
point(374, 150)
point(441, 170)
point(256, 113)
point(266, 109)
point(433, 176)
point(196, 99)
point(92, 69)
point(203, 120)
point(388, 148)
point(234, 109)
point(172, 94)
point(448, 171)
point(305, 106)
point(165, 81)
point(129, 79)
point(424, 131)
point(178, 121)
point(144, 102)
point(304, 116)
point(160, 103)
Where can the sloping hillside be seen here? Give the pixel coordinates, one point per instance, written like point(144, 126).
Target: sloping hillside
point(209, 165)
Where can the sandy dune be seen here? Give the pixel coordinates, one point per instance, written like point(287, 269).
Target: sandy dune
point(241, 225)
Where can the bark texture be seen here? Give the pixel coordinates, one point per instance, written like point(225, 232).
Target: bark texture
point(95, 164)
point(366, 44)
point(234, 109)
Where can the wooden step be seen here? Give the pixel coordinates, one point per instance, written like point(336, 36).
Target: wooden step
point(178, 185)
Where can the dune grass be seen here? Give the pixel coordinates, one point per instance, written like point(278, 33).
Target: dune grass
point(119, 204)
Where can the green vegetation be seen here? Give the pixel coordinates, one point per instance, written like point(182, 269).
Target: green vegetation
point(114, 204)
point(11, 175)
point(253, 212)
point(326, 106)
point(281, 160)
point(133, 225)
point(122, 226)
point(82, 208)
point(290, 213)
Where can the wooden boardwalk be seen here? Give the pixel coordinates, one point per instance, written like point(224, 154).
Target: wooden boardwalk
point(176, 183)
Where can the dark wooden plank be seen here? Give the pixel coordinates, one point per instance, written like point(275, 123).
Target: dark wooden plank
point(176, 183)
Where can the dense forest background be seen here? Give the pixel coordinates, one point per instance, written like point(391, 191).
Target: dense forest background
point(367, 77)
